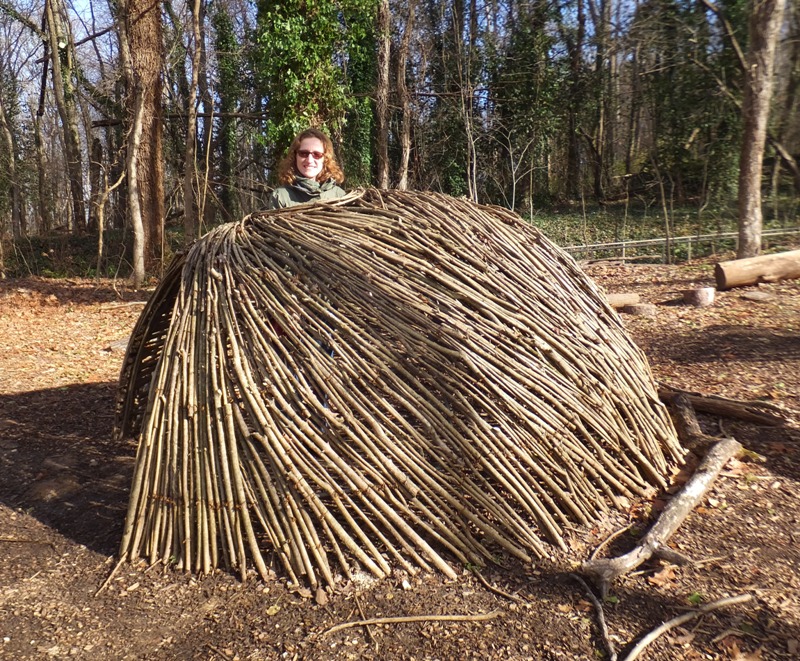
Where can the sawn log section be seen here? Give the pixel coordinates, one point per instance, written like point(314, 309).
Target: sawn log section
point(751, 271)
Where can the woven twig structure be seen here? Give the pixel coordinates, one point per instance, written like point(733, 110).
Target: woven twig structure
point(393, 379)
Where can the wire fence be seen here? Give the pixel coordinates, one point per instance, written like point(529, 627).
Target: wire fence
point(634, 248)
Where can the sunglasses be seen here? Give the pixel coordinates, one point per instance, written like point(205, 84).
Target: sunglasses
point(304, 153)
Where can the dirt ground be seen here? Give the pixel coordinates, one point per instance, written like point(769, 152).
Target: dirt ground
point(63, 494)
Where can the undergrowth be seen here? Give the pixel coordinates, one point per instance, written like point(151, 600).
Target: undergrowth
point(60, 255)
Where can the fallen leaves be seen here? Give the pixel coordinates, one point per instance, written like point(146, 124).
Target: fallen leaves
point(664, 577)
point(731, 648)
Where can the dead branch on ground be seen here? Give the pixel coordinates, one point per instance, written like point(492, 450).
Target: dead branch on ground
point(482, 617)
point(683, 619)
point(604, 571)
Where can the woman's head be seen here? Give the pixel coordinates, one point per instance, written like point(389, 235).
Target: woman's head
point(311, 156)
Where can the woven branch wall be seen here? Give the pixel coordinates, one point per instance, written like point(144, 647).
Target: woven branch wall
point(397, 379)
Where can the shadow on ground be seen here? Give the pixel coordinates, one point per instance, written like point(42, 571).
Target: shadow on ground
point(60, 465)
point(733, 342)
point(84, 292)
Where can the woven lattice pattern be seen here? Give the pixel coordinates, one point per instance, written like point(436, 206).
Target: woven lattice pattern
point(397, 379)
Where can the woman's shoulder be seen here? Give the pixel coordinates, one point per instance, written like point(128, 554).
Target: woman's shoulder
point(330, 190)
point(279, 198)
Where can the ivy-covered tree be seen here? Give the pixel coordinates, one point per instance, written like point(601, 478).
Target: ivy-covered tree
point(305, 50)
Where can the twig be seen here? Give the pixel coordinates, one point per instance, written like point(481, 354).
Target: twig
point(110, 576)
point(364, 617)
point(601, 620)
point(502, 593)
point(12, 540)
point(217, 651)
point(128, 304)
point(414, 618)
point(609, 539)
point(681, 619)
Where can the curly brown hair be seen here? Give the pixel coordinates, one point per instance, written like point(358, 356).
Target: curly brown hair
point(287, 168)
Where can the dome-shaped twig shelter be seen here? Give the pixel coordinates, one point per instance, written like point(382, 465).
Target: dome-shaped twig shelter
point(393, 379)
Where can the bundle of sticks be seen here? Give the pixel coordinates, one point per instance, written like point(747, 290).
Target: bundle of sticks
point(395, 379)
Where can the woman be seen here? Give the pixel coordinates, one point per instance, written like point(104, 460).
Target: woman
point(308, 173)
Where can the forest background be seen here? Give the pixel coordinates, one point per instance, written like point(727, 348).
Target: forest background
point(130, 127)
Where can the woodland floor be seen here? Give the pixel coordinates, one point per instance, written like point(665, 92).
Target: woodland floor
point(63, 494)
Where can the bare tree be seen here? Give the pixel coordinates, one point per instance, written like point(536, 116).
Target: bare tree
point(382, 93)
point(191, 220)
point(404, 99)
point(765, 24)
point(62, 62)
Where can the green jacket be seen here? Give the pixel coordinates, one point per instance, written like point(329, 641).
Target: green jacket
point(303, 190)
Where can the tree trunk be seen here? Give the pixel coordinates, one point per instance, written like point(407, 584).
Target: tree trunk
point(62, 62)
point(191, 219)
point(206, 204)
point(576, 100)
point(405, 100)
point(134, 205)
point(10, 148)
point(765, 23)
point(95, 181)
point(135, 96)
point(382, 93)
point(45, 219)
point(147, 58)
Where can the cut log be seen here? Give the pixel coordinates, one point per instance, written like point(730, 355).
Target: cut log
point(619, 301)
point(699, 297)
point(640, 309)
point(751, 271)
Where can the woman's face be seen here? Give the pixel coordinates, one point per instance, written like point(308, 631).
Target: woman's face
point(310, 157)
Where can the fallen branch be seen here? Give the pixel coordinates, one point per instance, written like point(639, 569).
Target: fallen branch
point(682, 619)
point(754, 270)
point(601, 620)
point(760, 413)
point(414, 618)
point(604, 571)
point(687, 426)
point(619, 301)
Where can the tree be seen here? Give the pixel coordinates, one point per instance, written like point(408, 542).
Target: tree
point(231, 92)
point(404, 99)
point(191, 220)
point(10, 186)
point(382, 94)
point(142, 56)
point(764, 26)
point(62, 62)
point(305, 51)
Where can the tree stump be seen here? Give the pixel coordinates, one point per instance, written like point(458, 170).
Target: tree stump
point(700, 297)
point(640, 309)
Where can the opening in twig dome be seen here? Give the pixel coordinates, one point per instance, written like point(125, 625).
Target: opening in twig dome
point(393, 379)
